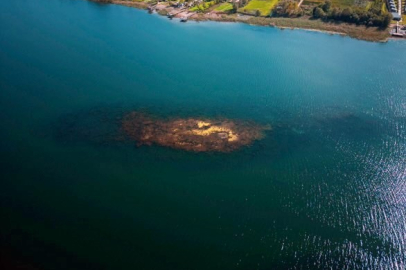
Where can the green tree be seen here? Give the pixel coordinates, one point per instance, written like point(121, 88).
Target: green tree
point(346, 14)
point(387, 18)
point(235, 7)
point(335, 13)
point(326, 6)
point(318, 13)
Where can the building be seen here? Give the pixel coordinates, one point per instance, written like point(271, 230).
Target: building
point(396, 16)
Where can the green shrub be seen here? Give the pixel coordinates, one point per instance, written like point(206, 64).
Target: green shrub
point(318, 13)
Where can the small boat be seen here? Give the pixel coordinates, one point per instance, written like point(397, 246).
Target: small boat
point(183, 19)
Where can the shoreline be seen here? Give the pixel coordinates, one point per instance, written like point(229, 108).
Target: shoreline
point(315, 30)
point(371, 34)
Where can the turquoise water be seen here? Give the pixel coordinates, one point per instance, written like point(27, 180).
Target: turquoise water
point(324, 189)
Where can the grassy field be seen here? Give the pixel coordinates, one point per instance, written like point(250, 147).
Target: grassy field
point(263, 6)
point(403, 19)
point(224, 7)
point(338, 3)
point(313, 2)
point(383, 6)
point(343, 3)
point(203, 6)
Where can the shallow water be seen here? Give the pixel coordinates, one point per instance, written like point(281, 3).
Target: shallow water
point(324, 189)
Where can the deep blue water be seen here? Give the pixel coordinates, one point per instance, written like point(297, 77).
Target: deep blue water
point(324, 189)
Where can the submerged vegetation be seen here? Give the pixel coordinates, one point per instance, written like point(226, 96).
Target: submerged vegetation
point(191, 134)
point(110, 126)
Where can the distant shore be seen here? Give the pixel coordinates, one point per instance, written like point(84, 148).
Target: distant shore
point(305, 23)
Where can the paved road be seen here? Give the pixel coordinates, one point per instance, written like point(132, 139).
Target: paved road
point(400, 9)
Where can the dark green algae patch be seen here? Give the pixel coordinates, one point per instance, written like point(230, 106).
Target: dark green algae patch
point(141, 128)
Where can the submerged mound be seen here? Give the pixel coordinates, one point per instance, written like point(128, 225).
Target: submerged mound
point(191, 134)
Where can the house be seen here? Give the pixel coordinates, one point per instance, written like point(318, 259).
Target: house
point(396, 16)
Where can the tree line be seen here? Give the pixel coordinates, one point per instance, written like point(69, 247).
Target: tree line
point(374, 16)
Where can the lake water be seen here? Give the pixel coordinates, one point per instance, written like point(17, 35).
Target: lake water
point(326, 187)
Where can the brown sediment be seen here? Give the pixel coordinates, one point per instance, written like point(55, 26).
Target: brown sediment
point(192, 134)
